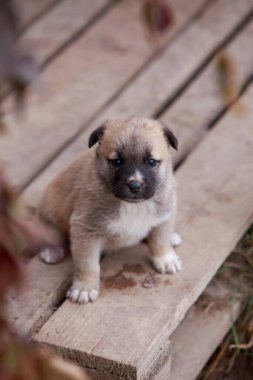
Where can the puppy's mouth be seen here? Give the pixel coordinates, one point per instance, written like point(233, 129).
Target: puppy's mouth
point(132, 197)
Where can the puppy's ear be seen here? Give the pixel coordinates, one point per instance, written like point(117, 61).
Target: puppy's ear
point(97, 135)
point(170, 137)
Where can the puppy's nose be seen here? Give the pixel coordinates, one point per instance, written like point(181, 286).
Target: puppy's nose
point(134, 185)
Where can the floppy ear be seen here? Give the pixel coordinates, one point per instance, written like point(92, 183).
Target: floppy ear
point(96, 135)
point(170, 137)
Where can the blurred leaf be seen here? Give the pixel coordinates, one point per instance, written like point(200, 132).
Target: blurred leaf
point(20, 232)
point(20, 72)
point(8, 15)
point(158, 16)
point(10, 272)
point(227, 77)
point(20, 361)
point(7, 196)
point(58, 369)
point(17, 69)
point(36, 235)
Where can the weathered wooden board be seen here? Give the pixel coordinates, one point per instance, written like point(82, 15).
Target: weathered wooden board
point(29, 10)
point(59, 25)
point(216, 207)
point(81, 86)
point(188, 117)
point(199, 334)
point(45, 286)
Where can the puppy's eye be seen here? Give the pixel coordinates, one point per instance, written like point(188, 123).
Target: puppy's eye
point(153, 163)
point(116, 163)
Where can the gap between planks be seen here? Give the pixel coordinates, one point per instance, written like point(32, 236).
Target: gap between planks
point(214, 197)
point(85, 99)
point(30, 11)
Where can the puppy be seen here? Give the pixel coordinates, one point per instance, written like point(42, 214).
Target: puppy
point(117, 194)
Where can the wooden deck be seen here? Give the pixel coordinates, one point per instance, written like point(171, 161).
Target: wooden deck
point(98, 65)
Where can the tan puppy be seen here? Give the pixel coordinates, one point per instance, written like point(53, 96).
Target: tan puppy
point(119, 192)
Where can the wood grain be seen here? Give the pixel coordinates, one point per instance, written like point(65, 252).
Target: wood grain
point(126, 331)
point(188, 117)
point(29, 10)
point(56, 27)
point(45, 286)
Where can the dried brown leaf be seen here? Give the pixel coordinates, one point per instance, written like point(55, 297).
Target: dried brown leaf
point(228, 80)
point(10, 272)
point(158, 16)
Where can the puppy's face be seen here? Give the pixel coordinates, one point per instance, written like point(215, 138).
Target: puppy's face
point(133, 156)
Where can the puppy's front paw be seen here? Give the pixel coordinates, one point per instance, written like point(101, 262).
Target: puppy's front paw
point(78, 293)
point(169, 263)
point(52, 255)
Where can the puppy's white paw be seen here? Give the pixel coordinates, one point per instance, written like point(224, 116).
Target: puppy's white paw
point(175, 239)
point(81, 296)
point(51, 255)
point(169, 263)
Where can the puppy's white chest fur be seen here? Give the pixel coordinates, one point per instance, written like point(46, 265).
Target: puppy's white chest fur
point(135, 221)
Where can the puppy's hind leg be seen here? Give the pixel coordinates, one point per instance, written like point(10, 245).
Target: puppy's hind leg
point(52, 255)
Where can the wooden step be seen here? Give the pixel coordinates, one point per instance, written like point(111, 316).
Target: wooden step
point(188, 117)
point(82, 86)
point(126, 332)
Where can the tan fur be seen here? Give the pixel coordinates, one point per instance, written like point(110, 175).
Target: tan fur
point(80, 203)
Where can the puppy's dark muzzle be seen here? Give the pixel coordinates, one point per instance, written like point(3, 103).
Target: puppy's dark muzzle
point(127, 186)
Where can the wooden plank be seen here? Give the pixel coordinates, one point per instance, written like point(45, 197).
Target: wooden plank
point(45, 285)
point(186, 117)
point(84, 85)
point(215, 208)
point(58, 26)
point(29, 10)
point(201, 331)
